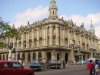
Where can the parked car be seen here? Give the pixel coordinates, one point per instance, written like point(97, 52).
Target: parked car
point(36, 65)
point(14, 68)
point(54, 64)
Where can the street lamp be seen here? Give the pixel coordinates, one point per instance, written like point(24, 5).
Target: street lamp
point(10, 46)
point(72, 46)
point(78, 52)
point(12, 52)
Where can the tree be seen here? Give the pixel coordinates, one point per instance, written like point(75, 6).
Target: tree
point(7, 31)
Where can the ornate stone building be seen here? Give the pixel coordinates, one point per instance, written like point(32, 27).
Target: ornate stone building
point(99, 45)
point(54, 38)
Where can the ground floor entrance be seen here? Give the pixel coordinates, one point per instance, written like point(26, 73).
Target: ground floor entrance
point(45, 55)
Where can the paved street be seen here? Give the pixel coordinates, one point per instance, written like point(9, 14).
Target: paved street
point(69, 70)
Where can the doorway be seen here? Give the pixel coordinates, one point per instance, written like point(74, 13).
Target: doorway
point(48, 55)
point(66, 57)
point(58, 57)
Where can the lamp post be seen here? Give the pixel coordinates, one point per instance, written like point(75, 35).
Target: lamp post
point(72, 58)
point(13, 54)
point(78, 52)
point(10, 46)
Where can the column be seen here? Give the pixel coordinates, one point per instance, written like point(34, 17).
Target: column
point(63, 37)
point(51, 36)
point(71, 58)
point(36, 55)
point(57, 36)
point(43, 37)
point(32, 39)
point(31, 55)
point(46, 36)
point(53, 55)
point(38, 38)
point(13, 56)
point(26, 56)
point(27, 40)
point(68, 38)
point(9, 55)
point(22, 41)
point(44, 57)
point(5, 56)
point(62, 56)
point(16, 55)
point(91, 54)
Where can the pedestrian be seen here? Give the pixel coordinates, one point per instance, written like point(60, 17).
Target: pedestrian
point(20, 61)
point(96, 67)
point(64, 63)
point(90, 67)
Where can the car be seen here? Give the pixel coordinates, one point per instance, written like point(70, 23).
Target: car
point(14, 68)
point(36, 65)
point(54, 64)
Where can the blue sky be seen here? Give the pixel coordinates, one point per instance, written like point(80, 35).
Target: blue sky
point(21, 11)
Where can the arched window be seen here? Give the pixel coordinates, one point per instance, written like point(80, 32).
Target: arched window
point(24, 44)
point(6, 56)
point(39, 55)
point(35, 33)
point(40, 31)
point(23, 56)
point(48, 55)
point(54, 29)
point(29, 57)
point(18, 56)
point(30, 43)
point(34, 56)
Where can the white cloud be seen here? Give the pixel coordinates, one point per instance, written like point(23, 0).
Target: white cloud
point(41, 12)
point(30, 15)
point(97, 29)
point(78, 19)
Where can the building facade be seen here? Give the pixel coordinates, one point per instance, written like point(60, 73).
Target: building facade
point(53, 38)
point(99, 45)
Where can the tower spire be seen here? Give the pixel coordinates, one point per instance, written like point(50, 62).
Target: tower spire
point(92, 29)
point(53, 10)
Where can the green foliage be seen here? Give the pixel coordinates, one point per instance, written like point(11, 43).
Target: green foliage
point(7, 31)
point(3, 45)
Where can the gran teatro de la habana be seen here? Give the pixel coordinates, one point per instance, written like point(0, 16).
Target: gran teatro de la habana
point(53, 38)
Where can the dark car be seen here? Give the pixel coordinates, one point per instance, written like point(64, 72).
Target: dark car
point(54, 64)
point(14, 68)
point(35, 64)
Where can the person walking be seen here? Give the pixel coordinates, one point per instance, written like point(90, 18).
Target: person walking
point(90, 67)
point(64, 63)
point(96, 67)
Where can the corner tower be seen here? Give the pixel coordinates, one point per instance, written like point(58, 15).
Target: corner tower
point(53, 10)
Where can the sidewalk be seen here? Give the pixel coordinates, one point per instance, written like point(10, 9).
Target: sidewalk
point(74, 66)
